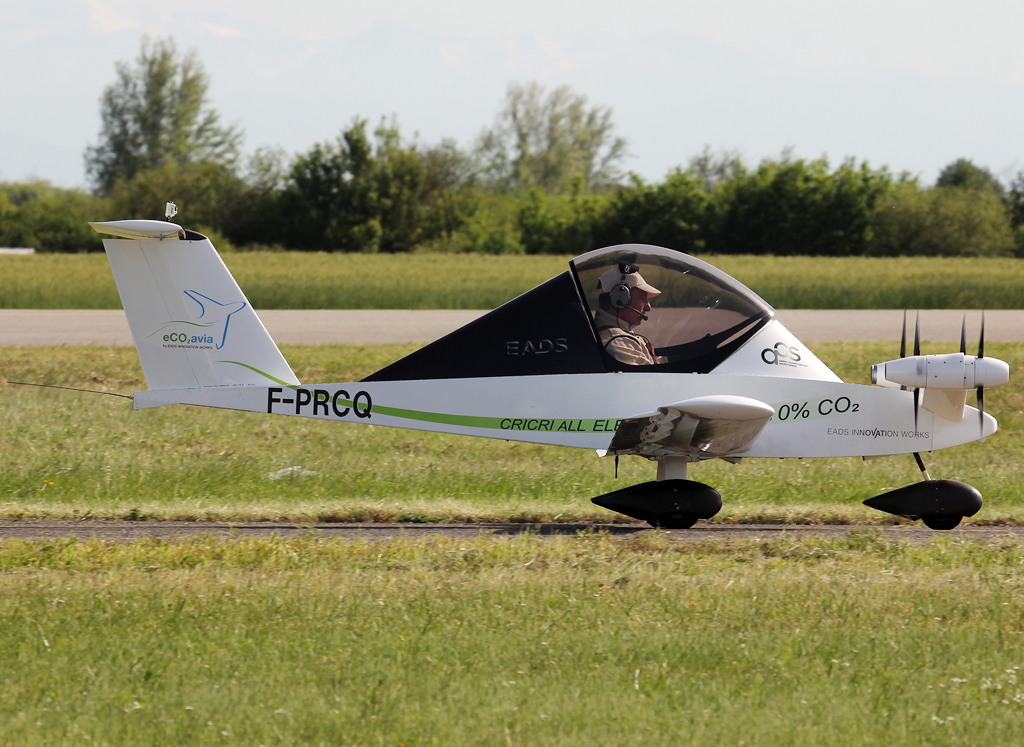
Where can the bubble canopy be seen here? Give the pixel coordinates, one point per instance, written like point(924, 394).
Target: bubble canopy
point(699, 318)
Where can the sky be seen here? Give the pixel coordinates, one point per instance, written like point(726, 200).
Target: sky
point(907, 84)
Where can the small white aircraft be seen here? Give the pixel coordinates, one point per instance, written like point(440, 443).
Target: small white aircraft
point(634, 349)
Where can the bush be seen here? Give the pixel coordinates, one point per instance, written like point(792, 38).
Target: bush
point(944, 221)
point(49, 219)
point(561, 225)
point(673, 214)
point(206, 194)
point(795, 207)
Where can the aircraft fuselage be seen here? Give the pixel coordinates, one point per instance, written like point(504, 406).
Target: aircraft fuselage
point(812, 418)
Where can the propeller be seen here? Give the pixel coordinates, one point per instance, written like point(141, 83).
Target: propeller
point(917, 335)
point(903, 339)
point(981, 389)
point(980, 377)
point(903, 343)
point(917, 352)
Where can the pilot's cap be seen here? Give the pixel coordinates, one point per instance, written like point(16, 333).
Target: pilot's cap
point(630, 279)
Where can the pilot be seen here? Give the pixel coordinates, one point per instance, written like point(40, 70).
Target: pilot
point(623, 303)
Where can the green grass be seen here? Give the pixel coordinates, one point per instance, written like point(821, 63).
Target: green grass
point(296, 280)
point(69, 454)
point(586, 640)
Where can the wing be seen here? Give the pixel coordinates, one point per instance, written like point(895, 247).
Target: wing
point(702, 427)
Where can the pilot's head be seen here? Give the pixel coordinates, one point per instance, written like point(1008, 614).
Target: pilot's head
point(625, 293)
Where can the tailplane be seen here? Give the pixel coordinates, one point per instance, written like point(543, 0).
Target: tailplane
point(192, 325)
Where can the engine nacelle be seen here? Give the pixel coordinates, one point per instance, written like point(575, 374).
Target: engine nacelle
point(954, 371)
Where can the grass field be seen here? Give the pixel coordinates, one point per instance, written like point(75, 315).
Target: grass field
point(586, 640)
point(295, 280)
point(70, 454)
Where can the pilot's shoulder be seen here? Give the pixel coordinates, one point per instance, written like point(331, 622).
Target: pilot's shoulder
point(622, 337)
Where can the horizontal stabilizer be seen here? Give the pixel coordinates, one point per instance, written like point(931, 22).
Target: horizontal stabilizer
point(702, 427)
point(139, 229)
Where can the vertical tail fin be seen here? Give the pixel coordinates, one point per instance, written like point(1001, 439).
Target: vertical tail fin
point(192, 325)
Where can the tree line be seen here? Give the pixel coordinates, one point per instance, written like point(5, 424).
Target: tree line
point(547, 177)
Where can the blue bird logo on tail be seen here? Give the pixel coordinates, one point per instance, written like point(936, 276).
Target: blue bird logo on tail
point(214, 317)
point(214, 313)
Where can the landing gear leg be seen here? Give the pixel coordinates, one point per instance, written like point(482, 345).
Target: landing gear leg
point(672, 468)
point(920, 464)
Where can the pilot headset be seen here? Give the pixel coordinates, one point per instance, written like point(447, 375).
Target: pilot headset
point(621, 294)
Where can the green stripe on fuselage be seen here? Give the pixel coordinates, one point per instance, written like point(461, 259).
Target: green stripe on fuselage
point(263, 373)
point(543, 425)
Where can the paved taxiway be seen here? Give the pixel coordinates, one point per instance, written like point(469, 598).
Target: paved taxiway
point(26, 327)
point(131, 531)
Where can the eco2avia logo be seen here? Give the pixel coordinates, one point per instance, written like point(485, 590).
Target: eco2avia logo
point(183, 337)
point(213, 320)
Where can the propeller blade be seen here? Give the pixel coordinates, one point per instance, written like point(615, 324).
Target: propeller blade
point(981, 340)
point(963, 336)
point(903, 339)
point(917, 351)
point(981, 389)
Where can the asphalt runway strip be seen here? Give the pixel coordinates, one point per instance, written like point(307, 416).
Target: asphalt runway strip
point(133, 531)
point(28, 328)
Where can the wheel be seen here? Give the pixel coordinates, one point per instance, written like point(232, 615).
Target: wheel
point(673, 521)
point(941, 522)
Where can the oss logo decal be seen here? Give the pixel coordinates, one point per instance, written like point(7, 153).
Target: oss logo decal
point(782, 355)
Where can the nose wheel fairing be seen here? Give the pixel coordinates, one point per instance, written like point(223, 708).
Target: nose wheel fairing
point(940, 504)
